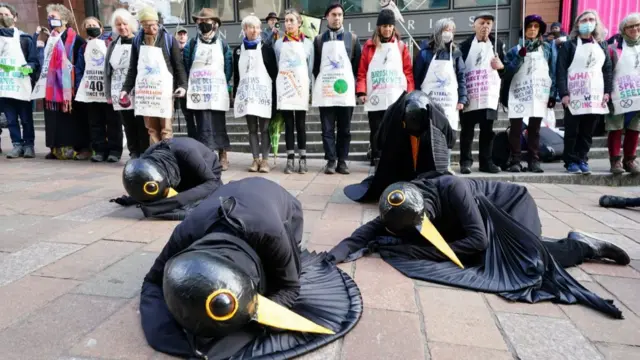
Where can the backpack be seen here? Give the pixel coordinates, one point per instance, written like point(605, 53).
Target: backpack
point(551, 145)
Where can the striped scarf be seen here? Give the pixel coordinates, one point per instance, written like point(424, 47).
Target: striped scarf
point(291, 37)
point(60, 76)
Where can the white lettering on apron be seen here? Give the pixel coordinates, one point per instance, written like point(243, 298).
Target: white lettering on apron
point(530, 87)
point(385, 78)
point(119, 61)
point(207, 88)
point(40, 89)
point(585, 80)
point(13, 84)
point(626, 81)
point(441, 84)
point(253, 96)
point(292, 83)
point(335, 84)
point(483, 82)
point(91, 89)
point(154, 84)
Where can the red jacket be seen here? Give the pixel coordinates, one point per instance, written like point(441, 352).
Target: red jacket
point(368, 50)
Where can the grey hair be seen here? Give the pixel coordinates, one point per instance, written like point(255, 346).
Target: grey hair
point(598, 32)
point(65, 14)
point(439, 26)
point(10, 7)
point(250, 20)
point(125, 16)
point(626, 20)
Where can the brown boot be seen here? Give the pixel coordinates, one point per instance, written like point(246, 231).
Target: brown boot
point(616, 165)
point(223, 160)
point(631, 166)
point(264, 166)
point(255, 165)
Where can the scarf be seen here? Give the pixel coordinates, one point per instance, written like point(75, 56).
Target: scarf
point(251, 44)
point(336, 34)
point(532, 45)
point(61, 76)
point(630, 41)
point(165, 160)
point(291, 37)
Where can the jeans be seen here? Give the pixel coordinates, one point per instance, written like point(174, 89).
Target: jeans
point(336, 149)
point(14, 109)
point(259, 144)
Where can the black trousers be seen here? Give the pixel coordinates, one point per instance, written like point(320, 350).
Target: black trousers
point(135, 131)
point(468, 123)
point(211, 129)
point(189, 118)
point(295, 121)
point(533, 139)
point(578, 136)
point(336, 148)
point(106, 129)
point(568, 253)
point(375, 119)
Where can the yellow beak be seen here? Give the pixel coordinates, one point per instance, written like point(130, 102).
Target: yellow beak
point(429, 232)
point(171, 193)
point(275, 315)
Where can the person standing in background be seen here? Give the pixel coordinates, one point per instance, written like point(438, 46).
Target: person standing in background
point(272, 33)
point(182, 35)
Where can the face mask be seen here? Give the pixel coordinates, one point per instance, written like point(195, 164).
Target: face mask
point(205, 28)
point(93, 32)
point(447, 36)
point(6, 21)
point(54, 23)
point(586, 28)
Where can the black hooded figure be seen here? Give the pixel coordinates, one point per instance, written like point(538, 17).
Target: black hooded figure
point(414, 137)
point(493, 229)
point(170, 178)
point(233, 283)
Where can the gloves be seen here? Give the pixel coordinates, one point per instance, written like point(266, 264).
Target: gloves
point(522, 52)
point(552, 103)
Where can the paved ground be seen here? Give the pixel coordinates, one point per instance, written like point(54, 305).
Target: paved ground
point(71, 265)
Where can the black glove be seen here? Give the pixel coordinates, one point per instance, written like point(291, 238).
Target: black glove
point(124, 200)
point(552, 102)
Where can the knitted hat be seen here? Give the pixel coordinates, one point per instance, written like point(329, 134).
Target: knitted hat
point(332, 6)
point(148, 14)
point(386, 17)
point(536, 18)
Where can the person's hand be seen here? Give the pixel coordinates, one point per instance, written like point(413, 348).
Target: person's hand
point(459, 106)
point(363, 99)
point(552, 102)
point(180, 92)
point(40, 43)
point(565, 101)
point(123, 94)
point(522, 52)
point(605, 99)
point(38, 29)
point(109, 101)
point(496, 64)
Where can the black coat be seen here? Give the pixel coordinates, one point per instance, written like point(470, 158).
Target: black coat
point(565, 58)
point(270, 62)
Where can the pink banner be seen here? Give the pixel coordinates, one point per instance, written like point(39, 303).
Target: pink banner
point(610, 12)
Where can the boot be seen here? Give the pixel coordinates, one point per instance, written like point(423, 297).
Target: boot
point(29, 152)
point(16, 152)
point(224, 161)
point(254, 165)
point(535, 167)
point(610, 201)
point(490, 168)
point(515, 167)
point(264, 166)
point(631, 166)
point(602, 250)
point(302, 166)
point(330, 168)
point(288, 169)
point(343, 168)
point(616, 165)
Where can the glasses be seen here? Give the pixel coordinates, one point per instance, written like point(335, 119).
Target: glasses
point(634, 26)
point(147, 26)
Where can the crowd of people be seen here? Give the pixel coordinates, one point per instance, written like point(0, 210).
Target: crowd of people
point(135, 78)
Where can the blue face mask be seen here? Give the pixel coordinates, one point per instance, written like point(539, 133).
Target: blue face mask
point(586, 28)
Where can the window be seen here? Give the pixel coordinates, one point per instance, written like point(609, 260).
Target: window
point(260, 8)
point(478, 3)
point(318, 7)
point(225, 8)
point(171, 11)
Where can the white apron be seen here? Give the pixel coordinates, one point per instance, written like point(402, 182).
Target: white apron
point(292, 83)
point(40, 89)
point(530, 87)
point(335, 84)
point(626, 81)
point(13, 84)
point(585, 80)
point(483, 82)
point(154, 84)
point(119, 61)
point(253, 96)
point(441, 84)
point(91, 89)
point(385, 78)
point(207, 88)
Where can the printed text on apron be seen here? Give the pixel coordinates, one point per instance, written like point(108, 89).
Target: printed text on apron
point(335, 84)
point(292, 83)
point(14, 84)
point(154, 84)
point(40, 89)
point(483, 82)
point(585, 80)
point(441, 84)
point(119, 61)
point(254, 93)
point(626, 81)
point(530, 87)
point(91, 87)
point(385, 78)
point(207, 82)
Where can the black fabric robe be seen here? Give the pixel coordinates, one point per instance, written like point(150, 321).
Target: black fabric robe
point(396, 162)
point(494, 228)
point(270, 221)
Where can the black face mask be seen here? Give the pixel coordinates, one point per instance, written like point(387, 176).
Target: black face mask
point(94, 32)
point(205, 28)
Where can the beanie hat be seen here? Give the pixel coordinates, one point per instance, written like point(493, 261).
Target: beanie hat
point(386, 17)
point(332, 6)
point(148, 14)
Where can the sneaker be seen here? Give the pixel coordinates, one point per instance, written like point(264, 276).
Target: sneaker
point(16, 152)
point(288, 169)
point(97, 158)
point(584, 167)
point(343, 168)
point(535, 167)
point(113, 159)
point(330, 168)
point(515, 168)
point(29, 152)
point(574, 168)
point(302, 166)
point(490, 168)
point(465, 170)
point(631, 166)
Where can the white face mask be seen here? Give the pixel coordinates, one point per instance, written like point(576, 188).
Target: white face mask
point(447, 36)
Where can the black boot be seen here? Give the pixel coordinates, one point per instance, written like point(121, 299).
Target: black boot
point(610, 201)
point(601, 249)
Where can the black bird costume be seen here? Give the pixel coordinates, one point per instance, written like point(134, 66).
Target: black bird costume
point(234, 265)
point(170, 178)
point(494, 229)
point(415, 137)
point(619, 202)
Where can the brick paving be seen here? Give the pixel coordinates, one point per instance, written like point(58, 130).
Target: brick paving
point(71, 265)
